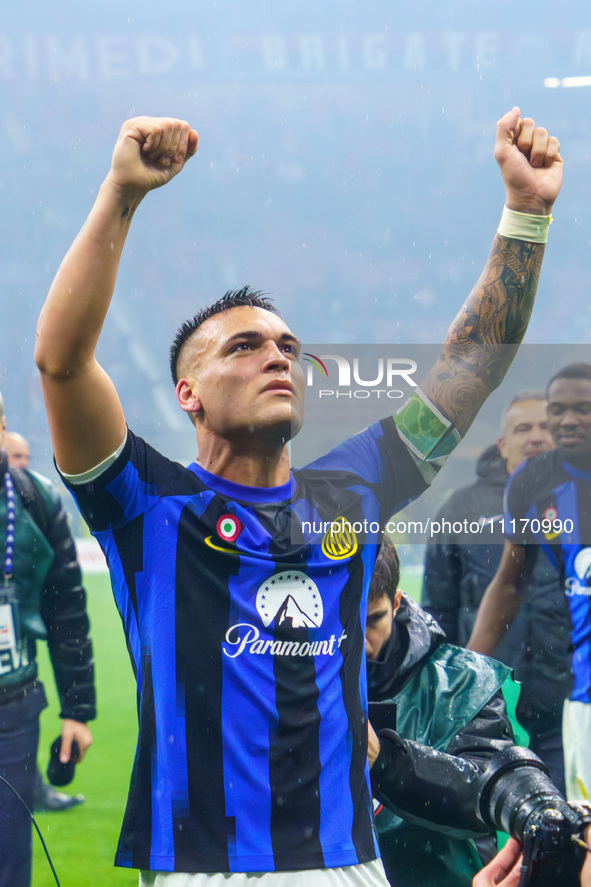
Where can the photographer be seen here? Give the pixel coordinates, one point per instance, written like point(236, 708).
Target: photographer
point(444, 764)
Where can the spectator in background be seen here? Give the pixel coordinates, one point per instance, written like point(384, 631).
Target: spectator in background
point(41, 598)
point(47, 798)
point(17, 449)
point(458, 569)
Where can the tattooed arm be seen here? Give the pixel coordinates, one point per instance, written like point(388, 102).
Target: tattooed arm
point(477, 353)
point(482, 340)
point(84, 412)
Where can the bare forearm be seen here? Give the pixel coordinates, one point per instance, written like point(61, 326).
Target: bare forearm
point(72, 317)
point(477, 351)
point(148, 153)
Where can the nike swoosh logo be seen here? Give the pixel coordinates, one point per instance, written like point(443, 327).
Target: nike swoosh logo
point(210, 544)
point(483, 519)
point(550, 536)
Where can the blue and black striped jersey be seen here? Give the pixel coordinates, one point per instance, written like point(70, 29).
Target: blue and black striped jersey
point(244, 613)
point(548, 503)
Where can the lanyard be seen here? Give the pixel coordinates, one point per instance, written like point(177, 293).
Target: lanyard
point(10, 524)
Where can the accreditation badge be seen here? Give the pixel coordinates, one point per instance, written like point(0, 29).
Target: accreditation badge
point(9, 630)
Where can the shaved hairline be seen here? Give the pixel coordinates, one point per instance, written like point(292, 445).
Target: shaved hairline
point(184, 356)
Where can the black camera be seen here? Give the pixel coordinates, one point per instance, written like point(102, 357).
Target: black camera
point(518, 797)
point(552, 854)
point(513, 794)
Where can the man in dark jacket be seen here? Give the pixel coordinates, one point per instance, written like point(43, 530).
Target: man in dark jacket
point(459, 568)
point(47, 798)
point(41, 598)
point(446, 745)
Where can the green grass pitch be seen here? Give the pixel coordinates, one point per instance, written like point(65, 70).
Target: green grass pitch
point(81, 841)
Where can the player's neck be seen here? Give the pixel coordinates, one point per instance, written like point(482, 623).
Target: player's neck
point(259, 467)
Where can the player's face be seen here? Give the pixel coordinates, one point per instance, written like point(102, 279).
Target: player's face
point(569, 418)
point(526, 433)
point(248, 379)
point(378, 625)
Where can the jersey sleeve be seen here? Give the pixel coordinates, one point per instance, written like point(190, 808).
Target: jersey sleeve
point(122, 491)
point(377, 458)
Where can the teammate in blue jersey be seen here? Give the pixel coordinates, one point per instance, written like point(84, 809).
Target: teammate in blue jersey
point(548, 504)
point(244, 624)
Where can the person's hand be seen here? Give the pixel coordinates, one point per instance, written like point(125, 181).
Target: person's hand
point(74, 730)
point(530, 164)
point(150, 151)
point(504, 870)
point(373, 745)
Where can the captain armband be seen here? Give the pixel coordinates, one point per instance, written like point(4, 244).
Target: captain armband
point(428, 435)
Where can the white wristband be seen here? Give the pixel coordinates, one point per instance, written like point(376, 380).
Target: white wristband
point(524, 226)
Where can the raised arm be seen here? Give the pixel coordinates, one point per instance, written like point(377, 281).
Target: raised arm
point(85, 416)
point(472, 363)
point(502, 599)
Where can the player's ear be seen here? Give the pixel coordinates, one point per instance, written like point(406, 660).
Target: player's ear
point(501, 447)
point(397, 600)
point(187, 396)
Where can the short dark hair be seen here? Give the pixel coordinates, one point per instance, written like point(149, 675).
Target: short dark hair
point(386, 572)
point(245, 297)
point(571, 371)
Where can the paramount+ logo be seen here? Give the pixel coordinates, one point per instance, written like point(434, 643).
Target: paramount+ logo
point(384, 378)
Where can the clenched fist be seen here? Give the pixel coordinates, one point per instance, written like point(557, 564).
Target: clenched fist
point(150, 151)
point(530, 163)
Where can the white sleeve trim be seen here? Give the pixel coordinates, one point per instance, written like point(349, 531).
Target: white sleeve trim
point(95, 472)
